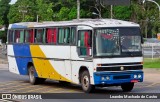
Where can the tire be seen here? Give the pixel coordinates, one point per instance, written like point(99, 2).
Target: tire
point(34, 80)
point(127, 87)
point(85, 82)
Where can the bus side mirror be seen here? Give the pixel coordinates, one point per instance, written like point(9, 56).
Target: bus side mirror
point(79, 43)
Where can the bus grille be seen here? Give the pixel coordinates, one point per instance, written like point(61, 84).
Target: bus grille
point(122, 77)
point(118, 68)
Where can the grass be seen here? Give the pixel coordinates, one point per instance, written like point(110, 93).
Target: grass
point(152, 63)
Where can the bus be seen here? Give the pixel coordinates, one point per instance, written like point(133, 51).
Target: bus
point(89, 52)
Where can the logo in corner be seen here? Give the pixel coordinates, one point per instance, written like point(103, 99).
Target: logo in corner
point(6, 96)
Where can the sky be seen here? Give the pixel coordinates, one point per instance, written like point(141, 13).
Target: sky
point(13, 1)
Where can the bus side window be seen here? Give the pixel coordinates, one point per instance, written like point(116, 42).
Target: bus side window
point(84, 43)
point(31, 39)
point(29, 36)
point(39, 37)
point(67, 36)
point(60, 35)
point(73, 34)
point(52, 35)
point(19, 36)
point(63, 35)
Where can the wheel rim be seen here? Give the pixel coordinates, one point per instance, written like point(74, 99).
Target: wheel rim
point(31, 75)
point(85, 82)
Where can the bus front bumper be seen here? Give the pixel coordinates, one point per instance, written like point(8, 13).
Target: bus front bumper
point(117, 78)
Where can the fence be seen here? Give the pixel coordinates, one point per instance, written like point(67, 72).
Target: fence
point(151, 50)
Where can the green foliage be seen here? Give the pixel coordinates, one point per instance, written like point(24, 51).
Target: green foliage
point(145, 14)
point(44, 10)
point(73, 13)
point(122, 12)
point(63, 13)
point(4, 9)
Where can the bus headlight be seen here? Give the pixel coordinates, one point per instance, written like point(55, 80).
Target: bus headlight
point(107, 78)
point(102, 78)
point(135, 76)
point(139, 76)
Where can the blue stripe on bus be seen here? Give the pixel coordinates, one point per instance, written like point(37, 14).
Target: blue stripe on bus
point(21, 50)
point(98, 77)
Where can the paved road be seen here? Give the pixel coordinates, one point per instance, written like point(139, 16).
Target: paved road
point(12, 83)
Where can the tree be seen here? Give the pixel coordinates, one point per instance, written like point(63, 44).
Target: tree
point(4, 9)
point(44, 10)
point(122, 12)
point(22, 11)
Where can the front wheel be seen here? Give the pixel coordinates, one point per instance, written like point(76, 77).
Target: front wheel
point(34, 80)
point(85, 81)
point(127, 87)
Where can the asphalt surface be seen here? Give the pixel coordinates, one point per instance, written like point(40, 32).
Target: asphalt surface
point(13, 83)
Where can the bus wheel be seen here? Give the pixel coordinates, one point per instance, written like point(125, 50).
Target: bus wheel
point(85, 82)
point(33, 80)
point(127, 87)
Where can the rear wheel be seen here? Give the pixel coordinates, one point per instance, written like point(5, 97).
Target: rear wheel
point(85, 81)
point(127, 87)
point(34, 80)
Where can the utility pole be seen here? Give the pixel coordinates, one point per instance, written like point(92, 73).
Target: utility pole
point(111, 11)
point(37, 18)
point(78, 9)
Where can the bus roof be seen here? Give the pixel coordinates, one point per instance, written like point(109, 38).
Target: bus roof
point(87, 22)
point(22, 25)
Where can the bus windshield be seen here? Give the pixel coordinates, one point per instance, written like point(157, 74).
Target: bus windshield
point(118, 41)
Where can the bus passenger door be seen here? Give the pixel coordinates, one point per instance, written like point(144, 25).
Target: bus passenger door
point(67, 62)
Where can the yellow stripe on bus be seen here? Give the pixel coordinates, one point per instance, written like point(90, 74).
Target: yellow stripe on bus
point(43, 66)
